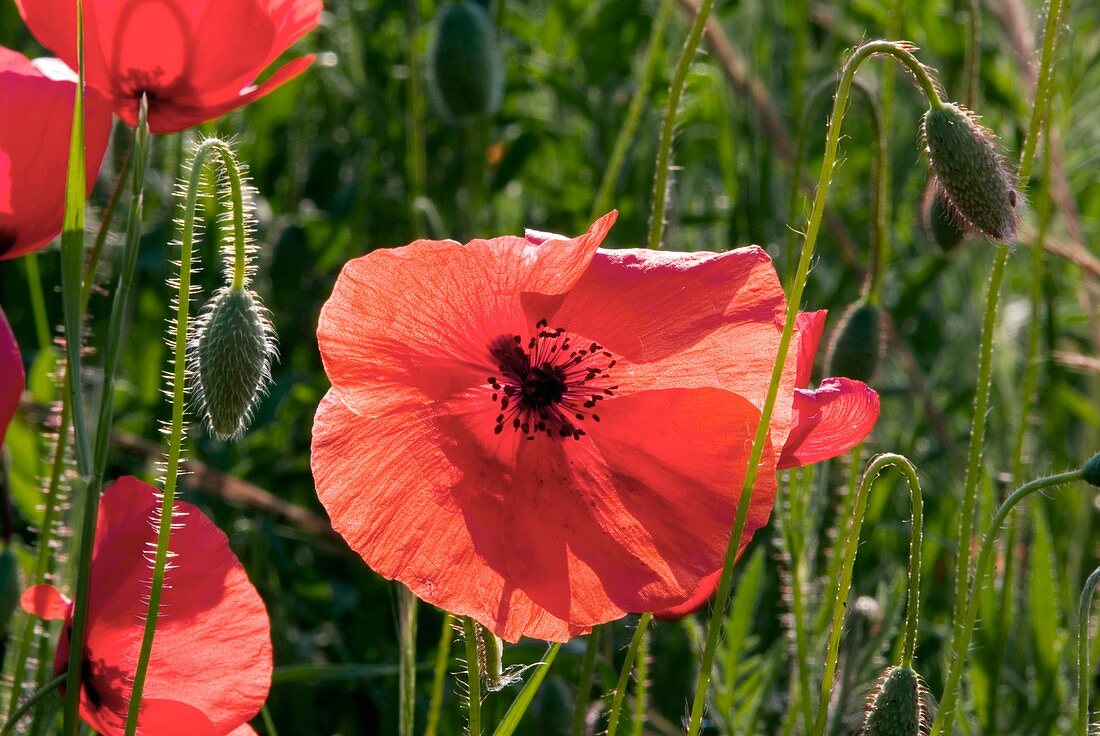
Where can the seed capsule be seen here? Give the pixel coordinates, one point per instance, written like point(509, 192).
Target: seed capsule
point(465, 66)
point(233, 359)
point(857, 343)
point(896, 706)
point(977, 184)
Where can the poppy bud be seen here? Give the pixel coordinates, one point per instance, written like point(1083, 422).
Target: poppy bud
point(857, 343)
point(465, 66)
point(233, 359)
point(940, 226)
point(896, 705)
point(1090, 471)
point(977, 184)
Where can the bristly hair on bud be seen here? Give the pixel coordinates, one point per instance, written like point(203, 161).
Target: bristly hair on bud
point(979, 189)
point(897, 706)
point(231, 343)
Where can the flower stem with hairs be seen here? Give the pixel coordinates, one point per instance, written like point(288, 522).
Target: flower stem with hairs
point(624, 673)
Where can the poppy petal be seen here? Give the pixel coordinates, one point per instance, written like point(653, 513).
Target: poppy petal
point(211, 664)
point(45, 601)
point(12, 377)
point(34, 149)
point(707, 586)
point(573, 534)
point(683, 320)
point(810, 327)
point(408, 316)
point(829, 421)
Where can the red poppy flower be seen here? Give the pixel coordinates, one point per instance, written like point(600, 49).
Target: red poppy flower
point(195, 59)
point(210, 669)
point(521, 429)
point(828, 421)
point(12, 378)
point(37, 100)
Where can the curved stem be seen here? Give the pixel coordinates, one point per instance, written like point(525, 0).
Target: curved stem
point(469, 629)
point(668, 126)
point(832, 143)
point(1083, 669)
point(174, 436)
point(633, 118)
point(439, 676)
point(32, 701)
point(945, 717)
point(851, 546)
point(584, 684)
point(624, 673)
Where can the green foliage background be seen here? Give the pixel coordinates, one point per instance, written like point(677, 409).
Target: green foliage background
point(328, 154)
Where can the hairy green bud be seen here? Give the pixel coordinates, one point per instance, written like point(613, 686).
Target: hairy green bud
point(856, 346)
point(465, 66)
point(978, 187)
point(938, 223)
point(235, 345)
point(1090, 471)
point(896, 705)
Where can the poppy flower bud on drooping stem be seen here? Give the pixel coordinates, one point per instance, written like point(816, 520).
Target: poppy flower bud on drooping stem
point(977, 186)
point(939, 225)
point(465, 65)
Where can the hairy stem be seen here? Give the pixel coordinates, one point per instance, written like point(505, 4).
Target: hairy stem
point(439, 676)
point(584, 684)
point(624, 673)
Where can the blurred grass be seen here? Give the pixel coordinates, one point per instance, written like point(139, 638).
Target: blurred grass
point(328, 156)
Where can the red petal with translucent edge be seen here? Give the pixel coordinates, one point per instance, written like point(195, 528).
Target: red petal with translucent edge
point(702, 594)
point(683, 320)
point(34, 148)
point(195, 59)
point(810, 326)
point(424, 315)
point(211, 664)
point(829, 421)
point(12, 377)
point(46, 602)
point(545, 538)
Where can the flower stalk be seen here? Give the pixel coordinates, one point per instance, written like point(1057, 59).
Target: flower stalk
point(473, 677)
point(624, 673)
point(901, 53)
point(1084, 671)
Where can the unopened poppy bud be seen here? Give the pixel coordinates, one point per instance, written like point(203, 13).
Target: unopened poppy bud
point(896, 705)
point(940, 225)
point(978, 187)
point(233, 359)
point(465, 66)
point(857, 343)
point(1090, 471)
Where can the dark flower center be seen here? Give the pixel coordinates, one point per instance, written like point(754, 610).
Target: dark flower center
point(550, 384)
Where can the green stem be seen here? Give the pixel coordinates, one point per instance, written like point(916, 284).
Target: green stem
point(439, 676)
point(851, 546)
point(629, 129)
point(668, 126)
point(107, 218)
point(945, 716)
point(624, 673)
point(415, 142)
point(269, 723)
point(584, 684)
point(174, 437)
point(469, 630)
point(1056, 11)
point(641, 689)
point(813, 227)
point(1084, 671)
point(38, 301)
point(32, 701)
point(796, 547)
point(972, 72)
point(406, 606)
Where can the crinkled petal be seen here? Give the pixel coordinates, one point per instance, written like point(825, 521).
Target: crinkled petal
point(45, 601)
point(810, 326)
point(683, 320)
point(425, 314)
point(698, 599)
point(12, 377)
point(34, 146)
point(829, 421)
point(546, 538)
point(211, 663)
